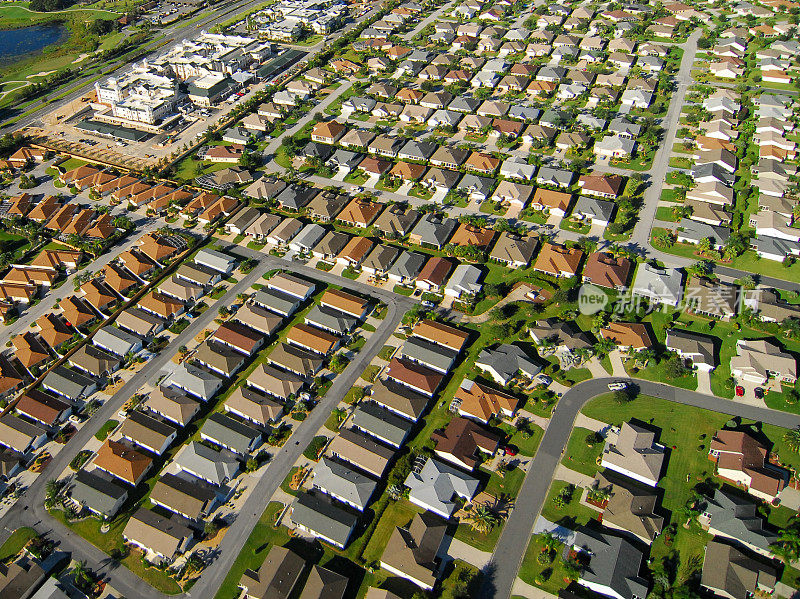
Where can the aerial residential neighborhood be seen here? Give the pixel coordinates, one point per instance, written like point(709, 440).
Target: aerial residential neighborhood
point(442, 299)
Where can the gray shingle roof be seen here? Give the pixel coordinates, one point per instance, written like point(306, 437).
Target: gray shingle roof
point(344, 483)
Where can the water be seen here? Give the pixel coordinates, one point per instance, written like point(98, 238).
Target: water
point(25, 41)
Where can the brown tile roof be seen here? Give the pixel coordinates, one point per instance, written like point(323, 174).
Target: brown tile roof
point(44, 209)
point(483, 402)
point(554, 259)
point(463, 439)
point(155, 247)
point(627, 334)
point(98, 294)
point(407, 171)
point(103, 228)
point(414, 375)
point(239, 336)
point(137, 262)
point(607, 271)
point(29, 350)
point(118, 278)
point(360, 212)
point(54, 330)
point(122, 461)
point(602, 184)
point(435, 270)
point(77, 310)
point(356, 249)
point(344, 302)
point(467, 234)
point(312, 338)
point(441, 333)
point(41, 407)
point(57, 258)
point(31, 275)
point(741, 452)
point(160, 304)
point(551, 199)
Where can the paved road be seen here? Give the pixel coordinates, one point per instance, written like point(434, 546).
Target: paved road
point(172, 34)
point(29, 510)
point(302, 122)
point(502, 570)
point(641, 234)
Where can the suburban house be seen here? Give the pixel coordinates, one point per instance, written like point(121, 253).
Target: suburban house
point(692, 346)
point(122, 461)
point(505, 362)
point(465, 443)
point(482, 403)
point(736, 518)
point(343, 483)
point(101, 495)
point(398, 399)
point(436, 485)
point(605, 270)
point(558, 260)
point(414, 376)
point(382, 424)
point(147, 432)
point(217, 467)
point(731, 573)
point(362, 451)
point(319, 516)
point(514, 251)
point(714, 299)
point(742, 460)
point(758, 360)
point(413, 553)
point(434, 274)
point(189, 497)
point(635, 454)
point(173, 405)
point(658, 285)
point(160, 538)
point(614, 564)
point(276, 577)
point(632, 336)
point(630, 508)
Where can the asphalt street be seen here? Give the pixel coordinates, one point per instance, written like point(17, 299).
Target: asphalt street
point(29, 508)
point(510, 549)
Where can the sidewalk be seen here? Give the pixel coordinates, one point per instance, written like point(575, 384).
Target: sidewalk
point(529, 591)
point(572, 477)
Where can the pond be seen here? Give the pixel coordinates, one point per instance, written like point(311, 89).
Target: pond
point(24, 41)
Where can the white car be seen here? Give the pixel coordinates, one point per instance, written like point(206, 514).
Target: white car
point(617, 386)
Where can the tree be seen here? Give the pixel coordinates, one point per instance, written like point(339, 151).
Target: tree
point(251, 465)
point(792, 438)
point(481, 519)
point(81, 575)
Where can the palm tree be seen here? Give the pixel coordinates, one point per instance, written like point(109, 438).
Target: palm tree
point(81, 574)
point(787, 547)
point(481, 519)
point(52, 489)
point(792, 439)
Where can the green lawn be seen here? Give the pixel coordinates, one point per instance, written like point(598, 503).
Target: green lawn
point(572, 513)
point(579, 456)
point(657, 371)
point(111, 541)
point(105, 430)
point(549, 576)
point(14, 544)
point(397, 513)
point(255, 549)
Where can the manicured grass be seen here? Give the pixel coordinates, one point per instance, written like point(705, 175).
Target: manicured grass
point(572, 514)
point(397, 513)
point(387, 351)
point(285, 484)
point(258, 544)
point(527, 444)
point(111, 541)
point(105, 430)
point(550, 576)
point(402, 290)
point(579, 456)
point(657, 371)
point(370, 373)
point(573, 376)
point(665, 213)
point(350, 273)
point(14, 544)
point(479, 540)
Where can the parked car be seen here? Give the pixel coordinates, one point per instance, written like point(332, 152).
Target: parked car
point(617, 386)
point(759, 392)
point(508, 450)
point(739, 391)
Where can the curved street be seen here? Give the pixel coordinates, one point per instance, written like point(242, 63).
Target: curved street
point(501, 573)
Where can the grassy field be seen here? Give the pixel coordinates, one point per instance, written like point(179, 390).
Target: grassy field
point(579, 456)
